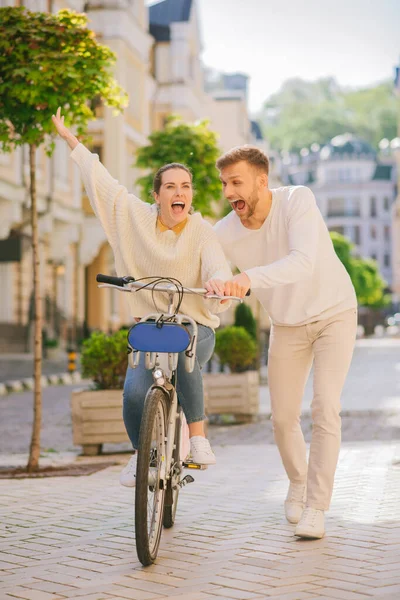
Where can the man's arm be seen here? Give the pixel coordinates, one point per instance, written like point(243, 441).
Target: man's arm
point(303, 227)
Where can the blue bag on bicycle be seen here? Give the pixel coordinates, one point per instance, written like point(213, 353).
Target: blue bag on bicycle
point(159, 337)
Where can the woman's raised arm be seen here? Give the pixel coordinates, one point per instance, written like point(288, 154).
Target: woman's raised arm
point(63, 131)
point(109, 199)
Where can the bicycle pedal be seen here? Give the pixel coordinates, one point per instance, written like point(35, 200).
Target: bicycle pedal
point(192, 465)
point(187, 479)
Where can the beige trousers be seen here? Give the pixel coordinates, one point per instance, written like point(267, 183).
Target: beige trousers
point(329, 343)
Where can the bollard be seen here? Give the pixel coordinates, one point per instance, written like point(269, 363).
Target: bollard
point(71, 360)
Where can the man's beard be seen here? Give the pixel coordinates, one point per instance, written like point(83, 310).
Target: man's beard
point(251, 204)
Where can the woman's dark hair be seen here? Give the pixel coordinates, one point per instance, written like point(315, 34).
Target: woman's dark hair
point(158, 176)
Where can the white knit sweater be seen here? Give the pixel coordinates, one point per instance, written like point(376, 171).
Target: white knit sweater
point(141, 250)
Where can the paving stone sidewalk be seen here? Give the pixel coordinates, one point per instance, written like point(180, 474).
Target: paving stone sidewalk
point(74, 537)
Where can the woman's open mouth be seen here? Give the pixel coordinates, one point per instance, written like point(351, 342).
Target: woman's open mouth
point(178, 207)
point(238, 205)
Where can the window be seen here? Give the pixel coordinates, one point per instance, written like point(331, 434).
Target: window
point(61, 154)
point(345, 174)
point(386, 233)
point(332, 175)
point(343, 207)
point(338, 229)
point(356, 237)
point(335, 207)
point(386, 204)
point(373, 256)
point(386, 260)
point(372, 207)
point(373, 232)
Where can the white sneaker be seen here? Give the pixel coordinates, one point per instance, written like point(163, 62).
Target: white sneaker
point(201, 452)
point(127, 476)
point(295, 502)
point(311, 524)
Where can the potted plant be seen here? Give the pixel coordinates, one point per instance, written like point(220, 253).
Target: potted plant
point(236, 392)
point(97, 412)
point(52, 348)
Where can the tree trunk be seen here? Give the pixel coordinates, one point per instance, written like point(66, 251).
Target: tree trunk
point(34, 451)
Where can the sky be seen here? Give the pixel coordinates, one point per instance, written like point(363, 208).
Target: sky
point(355, 41)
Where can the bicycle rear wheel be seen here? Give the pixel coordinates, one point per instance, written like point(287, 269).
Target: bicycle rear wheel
point(149, 499)
point(172, 492)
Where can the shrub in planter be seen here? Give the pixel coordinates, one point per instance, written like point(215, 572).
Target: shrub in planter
point(244, 318)
point(236, 348)
point(50, 343)
point(104, 359)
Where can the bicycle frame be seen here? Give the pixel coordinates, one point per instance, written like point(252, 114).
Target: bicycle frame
point(164, 366)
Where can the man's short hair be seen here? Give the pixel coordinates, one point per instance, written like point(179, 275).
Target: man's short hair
point(251, 154)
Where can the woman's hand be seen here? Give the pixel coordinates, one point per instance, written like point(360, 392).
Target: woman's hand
point(215, 287)
point(63, 131)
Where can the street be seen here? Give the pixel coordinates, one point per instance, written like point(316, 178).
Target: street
point(373, 386)
point(74, 537)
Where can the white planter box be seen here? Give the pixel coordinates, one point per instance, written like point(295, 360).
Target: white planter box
point(55, 353)
point(97, 419)
point(233, 393)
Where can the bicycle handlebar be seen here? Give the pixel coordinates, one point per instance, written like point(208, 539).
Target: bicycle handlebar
point(119, 281)
point(127, 283)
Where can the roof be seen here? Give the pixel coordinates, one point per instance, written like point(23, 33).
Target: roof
point(162, 14)
point(256, 130)
point(383, 172)
point(349, 144)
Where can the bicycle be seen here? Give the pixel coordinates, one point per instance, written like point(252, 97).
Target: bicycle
point(160, 461)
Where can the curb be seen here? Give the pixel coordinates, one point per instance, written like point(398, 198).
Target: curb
point(21, 385)
point(227, 419)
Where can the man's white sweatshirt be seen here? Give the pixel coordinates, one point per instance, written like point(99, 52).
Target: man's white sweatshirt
point(292, 265)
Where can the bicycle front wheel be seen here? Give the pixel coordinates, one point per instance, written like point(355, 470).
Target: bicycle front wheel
point(172, 491)
point(149, 499)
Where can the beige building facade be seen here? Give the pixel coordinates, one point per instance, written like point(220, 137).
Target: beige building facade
point(158, 63)
point(73, 246)
point(396, 227)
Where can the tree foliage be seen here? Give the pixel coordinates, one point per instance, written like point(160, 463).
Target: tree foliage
point(244, 318)
point(194, 145)
point(303, 113)
point(46, 61)
point(364, 273)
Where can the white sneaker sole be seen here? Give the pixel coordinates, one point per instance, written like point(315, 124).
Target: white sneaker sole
point(308, 535)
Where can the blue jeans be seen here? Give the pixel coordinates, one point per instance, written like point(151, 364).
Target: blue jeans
point(189, 388)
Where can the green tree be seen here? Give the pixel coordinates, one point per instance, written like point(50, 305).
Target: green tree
point(194, 145)
point(304, 112)
point(46, 61)
point(364, 273)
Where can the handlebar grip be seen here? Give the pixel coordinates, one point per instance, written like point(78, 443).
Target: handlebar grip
point(120, 281)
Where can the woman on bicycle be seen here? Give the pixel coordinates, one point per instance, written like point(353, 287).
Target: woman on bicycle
point(165, 240)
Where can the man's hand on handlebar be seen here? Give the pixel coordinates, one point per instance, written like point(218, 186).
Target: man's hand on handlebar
point(238, 286)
